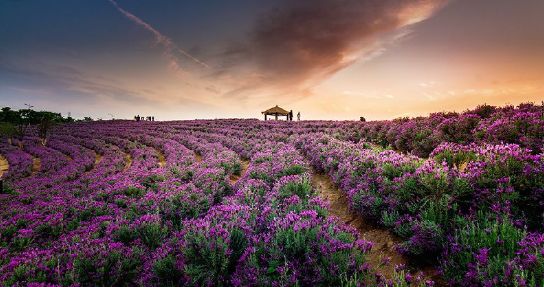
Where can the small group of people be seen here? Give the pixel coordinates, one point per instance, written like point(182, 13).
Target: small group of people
point(148, 118)
point(290, 116)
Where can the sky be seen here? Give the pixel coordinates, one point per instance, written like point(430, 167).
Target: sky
point(328, 59)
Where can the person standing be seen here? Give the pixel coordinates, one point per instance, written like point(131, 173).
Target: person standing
point(298, 116)
point(291, 115)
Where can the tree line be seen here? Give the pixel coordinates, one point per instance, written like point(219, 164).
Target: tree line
point(15, 123)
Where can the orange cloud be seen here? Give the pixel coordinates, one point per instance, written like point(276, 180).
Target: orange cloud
point(297, 46)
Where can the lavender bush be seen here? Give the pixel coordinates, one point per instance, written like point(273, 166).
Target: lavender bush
point(154, 204)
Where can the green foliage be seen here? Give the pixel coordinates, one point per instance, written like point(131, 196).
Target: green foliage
point(408, 188)
point(500, 237)
point(390, 171)
point(152, 182)
point(293, 170)
point(115, 270)
point(232, 168)
point(455, 159)
point(261, 175)
point(193, 208)
point(133, 191)
point(8, 189)
point(290, 246)
point(49, 231)
point(20, 243)
point(29, 116)
point(212, 260)
point(152, 234)
point(183, 174)
point(302, 189)
point(438, 211)
point(404, 229)
point(426, 240)
point(7, 129)
point(7, 233)
point(21, 274)
point(389, 218)
point(166, 271)
point(125, 234)
point(92, 212)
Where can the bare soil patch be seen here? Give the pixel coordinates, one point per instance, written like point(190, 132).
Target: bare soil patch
point(162, 158)
point(36, 165)
point(234, 178)
point(97, 159)
point(128, 161)
point(4, 165)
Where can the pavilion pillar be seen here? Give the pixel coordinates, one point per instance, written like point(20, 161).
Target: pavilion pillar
point(276, 117)
point(265, 117)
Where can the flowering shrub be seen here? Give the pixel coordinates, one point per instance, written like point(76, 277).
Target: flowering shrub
point(522, 125)
point(427, 202)
point(154, 204)
point(304, 249)
point(494, 252)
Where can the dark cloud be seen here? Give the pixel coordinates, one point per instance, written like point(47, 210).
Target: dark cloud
point(302, 42)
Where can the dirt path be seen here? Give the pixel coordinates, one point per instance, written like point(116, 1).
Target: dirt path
point(384, 241)
point(234, 178)
point(4, 165)
point(128, 161)
point(36, 165)
point(162, 159)
point(97, 159)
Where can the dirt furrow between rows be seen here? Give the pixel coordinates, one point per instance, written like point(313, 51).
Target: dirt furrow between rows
point(235, 177)
point(128, 161)
point(162, 158)
point(36, 165)
point(4, 165)
point(97, 159)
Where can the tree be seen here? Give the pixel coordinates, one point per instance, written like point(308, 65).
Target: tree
point(9, 115)
point(8, 130)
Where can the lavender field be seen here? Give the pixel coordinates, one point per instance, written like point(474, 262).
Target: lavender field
point(449, 199)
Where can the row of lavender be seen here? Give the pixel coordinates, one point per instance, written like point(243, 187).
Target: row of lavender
point(88, 219)
point(103, 211)
point(245, 136)
point(270, 232)
point(293, 241)
point(471, 185)
point(468, 209)
point(478, 209)
point(522, 125)
point(475, 208)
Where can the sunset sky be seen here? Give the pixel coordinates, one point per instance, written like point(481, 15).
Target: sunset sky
point(328, 59)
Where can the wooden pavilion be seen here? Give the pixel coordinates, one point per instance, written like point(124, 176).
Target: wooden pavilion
point(276, 112)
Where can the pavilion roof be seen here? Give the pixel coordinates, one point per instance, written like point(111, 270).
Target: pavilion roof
point(276, 110)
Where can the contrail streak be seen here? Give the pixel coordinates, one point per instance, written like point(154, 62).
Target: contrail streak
point(169, 46)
